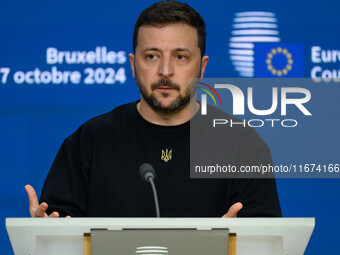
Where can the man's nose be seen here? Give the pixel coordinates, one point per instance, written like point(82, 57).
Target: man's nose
point(166, 68)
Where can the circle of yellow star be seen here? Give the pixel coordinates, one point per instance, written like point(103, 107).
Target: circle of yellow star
point(270, 57)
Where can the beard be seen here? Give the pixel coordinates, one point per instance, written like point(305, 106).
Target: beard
point(181, 101)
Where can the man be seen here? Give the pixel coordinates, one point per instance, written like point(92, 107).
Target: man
point(95, 172)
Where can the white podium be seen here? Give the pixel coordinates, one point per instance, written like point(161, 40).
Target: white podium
point(265, 236)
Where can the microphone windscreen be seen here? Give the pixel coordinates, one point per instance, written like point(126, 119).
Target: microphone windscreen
point(146, 170)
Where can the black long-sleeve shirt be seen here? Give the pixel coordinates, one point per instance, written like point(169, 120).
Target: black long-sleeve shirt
point(95, 172)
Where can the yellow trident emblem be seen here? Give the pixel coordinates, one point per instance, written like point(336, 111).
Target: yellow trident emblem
point(166, 155)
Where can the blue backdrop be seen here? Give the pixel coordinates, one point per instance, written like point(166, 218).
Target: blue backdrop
point(45, 96)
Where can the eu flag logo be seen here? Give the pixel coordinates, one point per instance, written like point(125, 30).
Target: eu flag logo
point(279, 60)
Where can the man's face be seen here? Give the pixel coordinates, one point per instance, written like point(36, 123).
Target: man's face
point(166, 59)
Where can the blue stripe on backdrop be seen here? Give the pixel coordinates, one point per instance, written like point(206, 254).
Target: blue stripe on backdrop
point(35, 118)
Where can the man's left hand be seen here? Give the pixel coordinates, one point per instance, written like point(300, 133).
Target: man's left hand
point(233, 210)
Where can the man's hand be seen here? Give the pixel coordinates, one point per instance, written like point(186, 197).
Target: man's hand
point(233, 210)
point(37, 210)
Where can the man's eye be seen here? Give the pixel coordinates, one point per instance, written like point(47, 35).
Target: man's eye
point(151, 56)
point(181, 57)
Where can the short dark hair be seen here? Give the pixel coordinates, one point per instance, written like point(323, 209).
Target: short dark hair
point(171, 12)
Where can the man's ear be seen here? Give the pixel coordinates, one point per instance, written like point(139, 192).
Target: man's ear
point(204, 65)
point(132, 63)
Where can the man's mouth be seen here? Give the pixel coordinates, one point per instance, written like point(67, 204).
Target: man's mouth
point(165, 88)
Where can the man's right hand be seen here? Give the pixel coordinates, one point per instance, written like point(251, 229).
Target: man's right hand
point(37, 210)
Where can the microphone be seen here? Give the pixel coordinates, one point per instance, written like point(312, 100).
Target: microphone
point(148, 174)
